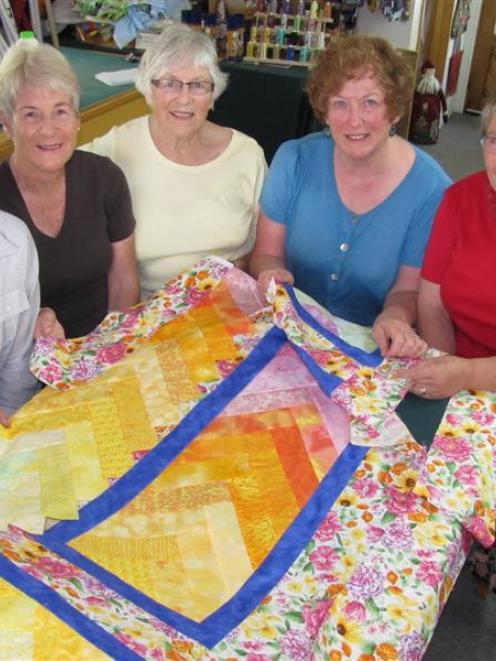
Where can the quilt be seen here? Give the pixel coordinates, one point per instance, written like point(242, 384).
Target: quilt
point(209, 463)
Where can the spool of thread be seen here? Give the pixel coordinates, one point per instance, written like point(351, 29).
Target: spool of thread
point(27, 35)
point(304, 54)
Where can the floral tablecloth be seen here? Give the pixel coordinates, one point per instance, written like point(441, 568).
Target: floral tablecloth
point(230, 515)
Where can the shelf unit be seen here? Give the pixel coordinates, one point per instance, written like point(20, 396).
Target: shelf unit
point(290, 39)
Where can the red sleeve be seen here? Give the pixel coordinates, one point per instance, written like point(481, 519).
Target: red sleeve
point(438, 252)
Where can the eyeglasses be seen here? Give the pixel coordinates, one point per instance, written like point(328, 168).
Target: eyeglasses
point(174, 86)
point(489, 142)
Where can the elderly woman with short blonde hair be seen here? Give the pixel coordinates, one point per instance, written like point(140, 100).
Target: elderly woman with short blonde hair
point(76, 205)
point(195, 185)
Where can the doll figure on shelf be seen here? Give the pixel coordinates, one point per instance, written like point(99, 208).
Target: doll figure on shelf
point(429, 103)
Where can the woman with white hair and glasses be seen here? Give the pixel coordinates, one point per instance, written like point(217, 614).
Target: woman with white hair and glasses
point(76, 205)
point(457, 296)
point(194, 185)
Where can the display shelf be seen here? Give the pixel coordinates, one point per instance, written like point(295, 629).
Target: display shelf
point(278, 62)
point(273, 33)
point(293, 17)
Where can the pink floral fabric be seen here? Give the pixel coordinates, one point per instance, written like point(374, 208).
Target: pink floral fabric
point(63, 364)
point(368, 395)
point(459, 473)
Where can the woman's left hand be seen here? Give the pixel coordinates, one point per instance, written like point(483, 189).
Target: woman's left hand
point(437, 378)
point(4, 419)
point(395, 337)
point(47, 324)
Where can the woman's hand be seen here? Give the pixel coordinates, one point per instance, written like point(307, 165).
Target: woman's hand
point(395, 337)
point(437, 378)
point(4, 419)
point(279, 275)
point(47, 325)
point(268, 259)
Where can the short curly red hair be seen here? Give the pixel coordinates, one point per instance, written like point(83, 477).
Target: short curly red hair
point(352, 57)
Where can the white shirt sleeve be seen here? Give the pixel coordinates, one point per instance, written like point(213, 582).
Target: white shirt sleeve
point(19, 307)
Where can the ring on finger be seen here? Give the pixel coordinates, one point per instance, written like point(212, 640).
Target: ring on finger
point(422, 392)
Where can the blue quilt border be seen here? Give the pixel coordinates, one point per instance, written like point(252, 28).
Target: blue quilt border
point(231, 614)
point(369, 359)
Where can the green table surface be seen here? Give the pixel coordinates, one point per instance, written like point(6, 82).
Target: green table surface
point(422, 416)
point(87, 63)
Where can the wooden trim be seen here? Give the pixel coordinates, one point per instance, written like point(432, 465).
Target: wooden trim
point(412, 58)
point(98, 118)
point(438, 37)
point(110, 104)
point(114, 111)
point(484, 51)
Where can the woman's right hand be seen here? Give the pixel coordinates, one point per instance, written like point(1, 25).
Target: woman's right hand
point(279, 275)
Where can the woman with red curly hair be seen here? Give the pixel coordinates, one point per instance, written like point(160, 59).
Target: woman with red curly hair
point(346, 213)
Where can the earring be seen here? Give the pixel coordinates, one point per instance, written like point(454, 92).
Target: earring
point(392, 130)
point(327, 130)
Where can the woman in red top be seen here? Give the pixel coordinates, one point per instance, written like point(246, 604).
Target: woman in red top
point(457, 295)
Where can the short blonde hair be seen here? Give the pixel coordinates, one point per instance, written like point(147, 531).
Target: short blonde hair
point(348, 58)
point(179, 45)
point(31, 63)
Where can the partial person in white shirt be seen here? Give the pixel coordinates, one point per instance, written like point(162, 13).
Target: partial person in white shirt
point(19, 306)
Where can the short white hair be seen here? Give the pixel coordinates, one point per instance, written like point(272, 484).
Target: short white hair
point(178, 45)
point(30, 63)
point(488, 112)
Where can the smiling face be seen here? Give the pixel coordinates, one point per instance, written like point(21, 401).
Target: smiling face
point(181, 114)
point(43, 128)
point(358, 118)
